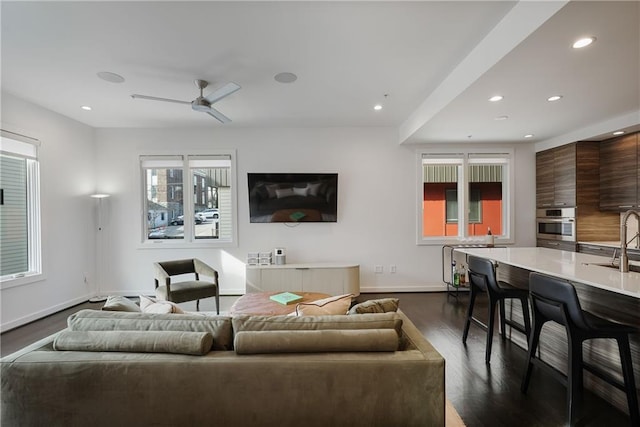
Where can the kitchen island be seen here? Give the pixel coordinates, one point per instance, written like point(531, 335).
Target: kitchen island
point(602, 290)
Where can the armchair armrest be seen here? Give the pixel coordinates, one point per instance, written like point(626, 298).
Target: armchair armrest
point(203, 269)
point(159, 275)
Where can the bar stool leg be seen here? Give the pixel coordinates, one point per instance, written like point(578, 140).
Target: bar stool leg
point(534, 337)
point(629, 382)
point(472, 300)
point(503, 325)
point(574, 378)
point(525, 317)
point(490, 327)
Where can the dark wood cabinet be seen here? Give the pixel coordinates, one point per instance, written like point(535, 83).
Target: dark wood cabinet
point(619, 177)
point(568, 176)
point(556, 177)
point(556, 244)
point(544, 178)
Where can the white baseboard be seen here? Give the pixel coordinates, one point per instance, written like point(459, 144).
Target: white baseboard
point(42, 313)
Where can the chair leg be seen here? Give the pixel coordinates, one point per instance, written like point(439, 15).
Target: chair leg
point(629, 382)
point(534, 337)
point(574, 380)
point(525, 317)
point(503, 322)
point(217, 303)
point(490, 326)
point(198, 305)
point(472, 299)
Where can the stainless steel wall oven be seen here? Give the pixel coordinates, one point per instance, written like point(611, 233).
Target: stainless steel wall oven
point(556, 224)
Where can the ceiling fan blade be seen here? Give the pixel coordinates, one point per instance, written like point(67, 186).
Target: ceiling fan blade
point(218, 115)
point(225, 90)
point(155, 98)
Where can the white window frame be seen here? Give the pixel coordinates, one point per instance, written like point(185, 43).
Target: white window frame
point(189, 240)
point(17, 145)
point(468, 155)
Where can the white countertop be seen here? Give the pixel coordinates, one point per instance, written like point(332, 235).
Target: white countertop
point(572, 266)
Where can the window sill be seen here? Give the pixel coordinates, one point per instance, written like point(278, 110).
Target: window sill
point(172, 244)
point(20, 280)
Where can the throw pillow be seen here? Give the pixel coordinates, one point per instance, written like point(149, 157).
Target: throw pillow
point(150, 305)
point(281, 193)
point(118, 303)
point(331, 305)
point(304, 192)
point(383, 305)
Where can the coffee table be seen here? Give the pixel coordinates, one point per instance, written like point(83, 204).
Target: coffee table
point(258, 303)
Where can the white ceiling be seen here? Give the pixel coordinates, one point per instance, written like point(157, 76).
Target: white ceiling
point(437, 62)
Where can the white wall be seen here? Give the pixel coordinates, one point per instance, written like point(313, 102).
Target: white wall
point(376, 218)
point(376, 203)
point(68, 239)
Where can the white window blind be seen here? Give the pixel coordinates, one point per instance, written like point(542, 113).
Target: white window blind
point(19, 207)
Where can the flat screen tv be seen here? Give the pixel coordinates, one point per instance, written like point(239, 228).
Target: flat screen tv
point(293, 197)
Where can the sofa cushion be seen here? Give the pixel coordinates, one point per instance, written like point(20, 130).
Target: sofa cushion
point(93, 320)
point(151, 305)
point(193, 343)
point(300, 323)
point(323, 341)
point(118, 303)
point(326, 306)
point(383, 305)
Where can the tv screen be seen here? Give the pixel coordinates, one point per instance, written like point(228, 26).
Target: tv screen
point(293, 197)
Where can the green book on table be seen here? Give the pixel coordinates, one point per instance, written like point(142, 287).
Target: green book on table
point(286, 298)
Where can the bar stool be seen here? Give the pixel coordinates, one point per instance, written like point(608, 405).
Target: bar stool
point(556, 300)
point(482, 278)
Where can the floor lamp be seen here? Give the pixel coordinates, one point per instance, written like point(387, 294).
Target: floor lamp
point(100, 243)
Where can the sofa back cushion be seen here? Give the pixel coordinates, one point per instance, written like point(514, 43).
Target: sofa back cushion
point(243, 323)
point(315, 341)
point(92, 320)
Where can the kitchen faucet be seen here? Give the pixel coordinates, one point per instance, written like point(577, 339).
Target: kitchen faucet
point(624, 259)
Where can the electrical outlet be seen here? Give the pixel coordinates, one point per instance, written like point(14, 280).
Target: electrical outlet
point(379, 269)
point(392, 268)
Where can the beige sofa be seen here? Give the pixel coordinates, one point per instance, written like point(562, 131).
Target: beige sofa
point(349, 370)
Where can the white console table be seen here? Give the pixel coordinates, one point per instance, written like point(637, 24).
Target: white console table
point(328, 278)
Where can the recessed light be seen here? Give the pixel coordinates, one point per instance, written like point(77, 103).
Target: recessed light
point(529, 135)
point(496, 98)
point(285, 77)
point(110, 77)
point(583, 42)
point(554, 98)
point(618, 132)
point(86, 108)
point(377, 107)
point(501, 118)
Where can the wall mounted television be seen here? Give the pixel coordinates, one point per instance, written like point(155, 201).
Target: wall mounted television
point(293, 197)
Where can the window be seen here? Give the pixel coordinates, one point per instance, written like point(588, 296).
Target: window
point(206, 214)
point(19, 208)
point(475, 205)
point(462, 195)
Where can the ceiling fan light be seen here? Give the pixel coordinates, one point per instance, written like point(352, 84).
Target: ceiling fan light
point(200, 105)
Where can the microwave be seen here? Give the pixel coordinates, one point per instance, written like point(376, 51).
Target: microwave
point(556, 224)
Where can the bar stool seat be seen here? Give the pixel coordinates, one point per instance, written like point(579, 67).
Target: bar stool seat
point(482, 278)
point(556, 300)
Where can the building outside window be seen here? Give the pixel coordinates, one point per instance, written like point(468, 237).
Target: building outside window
point(206, 214)
point(463, 195)
point(20, 239)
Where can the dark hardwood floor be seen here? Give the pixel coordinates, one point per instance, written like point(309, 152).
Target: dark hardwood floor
point(483, 395)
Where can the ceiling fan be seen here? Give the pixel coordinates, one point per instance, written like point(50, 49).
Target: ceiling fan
point(202, 103)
